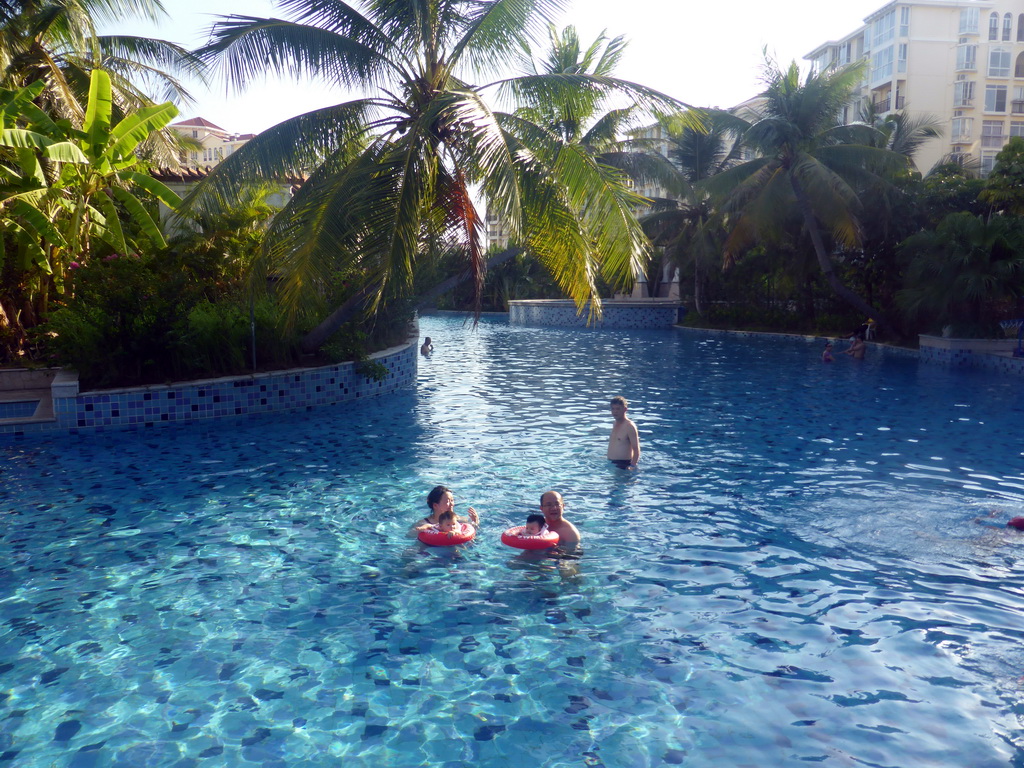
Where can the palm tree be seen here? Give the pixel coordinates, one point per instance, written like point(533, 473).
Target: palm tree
point(687, 224)
point(56, 42)
point(808, 162)
point(392, 173)
point(900, 132)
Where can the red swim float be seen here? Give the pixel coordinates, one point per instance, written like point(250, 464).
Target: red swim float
point(460, 534)
point(518, 538)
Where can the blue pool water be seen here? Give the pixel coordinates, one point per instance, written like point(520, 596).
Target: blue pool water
point(794, 575)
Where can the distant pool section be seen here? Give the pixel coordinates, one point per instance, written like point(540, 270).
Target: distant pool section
point(616, 313)
point(273, 392)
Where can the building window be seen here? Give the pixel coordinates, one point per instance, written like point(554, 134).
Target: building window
point(1017, 107)
point(901, 59)
point(995, 98)
point(1018, 69)
point(963, 93)
point(1020, 28)
point(999, 62)
point(905, 21)
point(1007, 27)
point(992, 134)
point(195, 134)
point(1016, 129)
point(962, 129)
point(881, 65)
point(194, 157)
point(966, 58)
point(968, 21)
point(845, 53)
point(993, 26)
point(883, 29)
point(988, 162)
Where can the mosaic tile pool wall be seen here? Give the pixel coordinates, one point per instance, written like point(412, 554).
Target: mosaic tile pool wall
point(228, 397)
point(616, 314)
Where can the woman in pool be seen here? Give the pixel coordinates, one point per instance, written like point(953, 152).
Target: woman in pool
point(439, 500)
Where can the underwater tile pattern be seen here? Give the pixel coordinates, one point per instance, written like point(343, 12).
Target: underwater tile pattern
point(224, 398)
point(786, 579)
point(564, 314)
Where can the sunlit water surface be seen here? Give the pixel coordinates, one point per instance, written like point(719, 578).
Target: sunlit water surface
point(794, 575)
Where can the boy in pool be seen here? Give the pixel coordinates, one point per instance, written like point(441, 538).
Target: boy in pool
point(446, 523)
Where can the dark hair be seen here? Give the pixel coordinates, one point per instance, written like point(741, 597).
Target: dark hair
point(619, 400)
point(447, 515)
point(435, 496)
point(539, 519)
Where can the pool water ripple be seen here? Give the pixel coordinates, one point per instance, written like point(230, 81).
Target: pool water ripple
point(794, 574)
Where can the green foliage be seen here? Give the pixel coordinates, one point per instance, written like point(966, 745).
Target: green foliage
point(968, 274)
point(145, 320)
point(1004, 187)
point(120, 325)
point(394, 173)
point(69, 194)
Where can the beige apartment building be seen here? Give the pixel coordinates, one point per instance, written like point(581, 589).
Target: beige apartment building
point(959, 61)
point(216, 142)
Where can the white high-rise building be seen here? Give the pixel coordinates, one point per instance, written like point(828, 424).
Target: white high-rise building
point(958, 61)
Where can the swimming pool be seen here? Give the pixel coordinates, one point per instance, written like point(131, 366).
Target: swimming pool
point(794, 574)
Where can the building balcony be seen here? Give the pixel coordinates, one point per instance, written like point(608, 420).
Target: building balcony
point(961, 138)
point(886, 104)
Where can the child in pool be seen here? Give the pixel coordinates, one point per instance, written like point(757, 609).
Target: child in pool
point(826, 356)
point(446, 523)
point(535, 525)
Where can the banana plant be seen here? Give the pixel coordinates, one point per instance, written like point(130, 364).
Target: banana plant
point(63, 188)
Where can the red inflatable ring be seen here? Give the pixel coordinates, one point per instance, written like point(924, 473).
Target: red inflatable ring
point(518, 538)
point(460, 534)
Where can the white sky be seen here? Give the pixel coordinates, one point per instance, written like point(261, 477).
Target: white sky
point(704, 53)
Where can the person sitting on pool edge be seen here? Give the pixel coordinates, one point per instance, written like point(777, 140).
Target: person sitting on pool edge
point(439, 500)
point(624, 442)
point(551, 505)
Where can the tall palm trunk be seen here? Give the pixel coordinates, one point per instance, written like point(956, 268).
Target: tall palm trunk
point(827, 267)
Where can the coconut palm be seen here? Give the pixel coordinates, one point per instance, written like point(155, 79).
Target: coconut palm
point(687, 224)
point(56, 42)
point(901, 132)
point(392, 173)
point(809, 162)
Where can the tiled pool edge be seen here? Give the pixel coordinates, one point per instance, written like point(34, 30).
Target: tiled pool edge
point(888, 349)
point(944, 352)
point(235, 396)
point(616, 313)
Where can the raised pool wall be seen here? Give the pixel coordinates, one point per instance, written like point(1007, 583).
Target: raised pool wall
point(233, 396)
point(616, 313)
point(988, 354)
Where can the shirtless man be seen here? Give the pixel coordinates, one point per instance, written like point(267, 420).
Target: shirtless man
point(624, 443)
point(551, 506)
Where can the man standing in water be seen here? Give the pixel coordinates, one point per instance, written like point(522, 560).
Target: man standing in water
point(551, 505)
point(624, 443)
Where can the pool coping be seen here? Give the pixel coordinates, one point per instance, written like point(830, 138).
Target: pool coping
point(292, 389)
